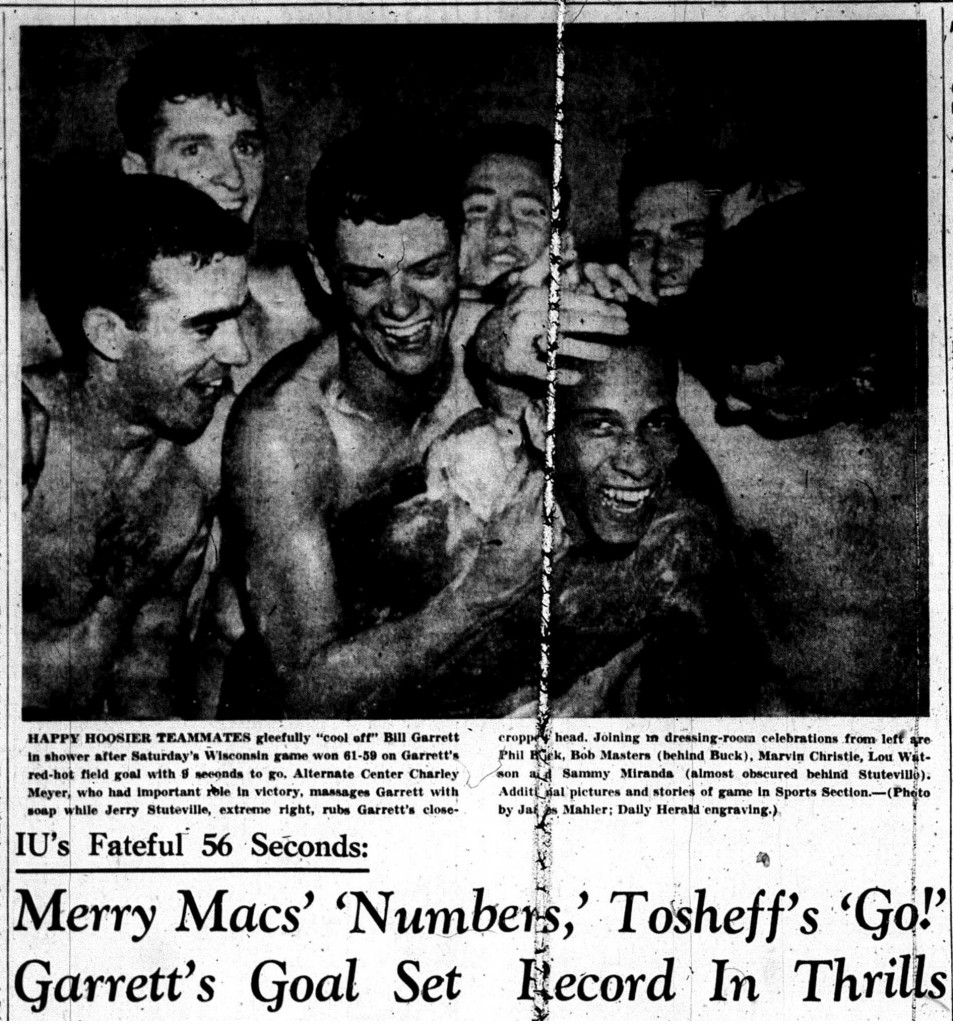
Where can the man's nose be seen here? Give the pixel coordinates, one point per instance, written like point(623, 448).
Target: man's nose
point(227, 170)
point(667, 257)
point(230, 347)
point(402, 301)
point(633, 458)
point(501, 222)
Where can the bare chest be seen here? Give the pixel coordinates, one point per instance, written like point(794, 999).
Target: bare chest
point(370, 456)
point(91, 533)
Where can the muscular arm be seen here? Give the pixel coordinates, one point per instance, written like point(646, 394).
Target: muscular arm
point(282, 481)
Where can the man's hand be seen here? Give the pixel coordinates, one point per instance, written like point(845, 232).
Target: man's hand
point(611, 282)
point(511, 341)
point(509, 557)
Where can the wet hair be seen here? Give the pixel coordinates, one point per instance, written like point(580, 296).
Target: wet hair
point(179, 69)
point(526, 141)
point(651, 332)
point(124, 226)
point(656, 157)
point(378, 177)
point(692, 472)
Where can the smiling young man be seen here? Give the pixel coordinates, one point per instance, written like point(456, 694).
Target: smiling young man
point(115, 517)
point(192, 109)
point(649, 590)
point(646, 604)
point(194, 112)
point(336, 427)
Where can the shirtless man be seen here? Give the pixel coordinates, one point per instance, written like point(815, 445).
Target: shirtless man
point(645, 600)
point(192, 111)
point(505, 262)
point(650, 586)
point(332, 427)
point(115, 518)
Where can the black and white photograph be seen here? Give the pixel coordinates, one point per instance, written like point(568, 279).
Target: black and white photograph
point(484, 476)
point(286, 306)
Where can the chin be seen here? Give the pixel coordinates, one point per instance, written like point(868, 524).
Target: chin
point(616, 537)
point(610, 533)
point(415, 366)
point(183, 433)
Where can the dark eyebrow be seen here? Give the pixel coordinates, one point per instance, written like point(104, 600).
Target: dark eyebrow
point(177, 140)
point(690, 223)
point(442, 255)
point(529, 194)
point(479, 190)
point(358, 268)
point(594, 410)
point(215, 316)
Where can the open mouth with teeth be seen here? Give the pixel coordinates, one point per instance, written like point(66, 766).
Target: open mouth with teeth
point(234, 206)
point(410, 337)
point(506, 260)
point(624, 502)
point(211, 389)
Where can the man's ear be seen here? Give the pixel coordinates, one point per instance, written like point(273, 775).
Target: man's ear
point(319, 273)
point(134, 163)
point(107, 332)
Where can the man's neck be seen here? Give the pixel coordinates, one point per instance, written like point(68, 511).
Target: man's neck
point(98, 400)
point(390, 399)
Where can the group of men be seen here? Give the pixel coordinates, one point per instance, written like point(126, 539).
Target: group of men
point(364, 538)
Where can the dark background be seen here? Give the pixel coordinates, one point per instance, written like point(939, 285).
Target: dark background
point(840, 106)
point(844, 104)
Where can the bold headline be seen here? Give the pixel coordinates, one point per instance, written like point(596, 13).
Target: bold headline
point(873, 911)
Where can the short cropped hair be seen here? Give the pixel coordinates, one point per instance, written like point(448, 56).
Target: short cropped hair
point(112, 243)
point(526, 141)
point(656, 157)
point(370, 176)
point(653, 346)
point(179, 69)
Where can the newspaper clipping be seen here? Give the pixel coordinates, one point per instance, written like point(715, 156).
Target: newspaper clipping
point(483, 537)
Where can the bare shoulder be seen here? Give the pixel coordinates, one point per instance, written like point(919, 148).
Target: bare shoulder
point(276, 283)
point(279, 292)
point(278, 439)
point(48, 387)
point(51, 432)
point(37, 341)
